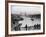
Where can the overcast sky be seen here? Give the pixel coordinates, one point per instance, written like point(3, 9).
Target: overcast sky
point(25, 9)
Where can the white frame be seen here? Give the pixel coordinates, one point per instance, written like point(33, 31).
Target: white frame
point(22, 32)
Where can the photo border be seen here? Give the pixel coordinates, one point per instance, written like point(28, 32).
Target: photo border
point(6, 17)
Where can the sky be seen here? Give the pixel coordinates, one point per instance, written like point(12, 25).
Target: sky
point(17, 9)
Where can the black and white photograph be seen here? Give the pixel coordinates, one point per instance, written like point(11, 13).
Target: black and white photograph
point(25, 18)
